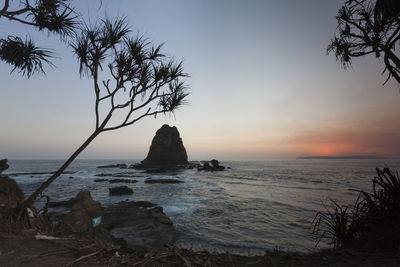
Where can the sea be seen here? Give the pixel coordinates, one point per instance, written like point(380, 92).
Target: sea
point(250, 208)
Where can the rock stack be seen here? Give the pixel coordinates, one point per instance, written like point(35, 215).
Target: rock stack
point(166, 149)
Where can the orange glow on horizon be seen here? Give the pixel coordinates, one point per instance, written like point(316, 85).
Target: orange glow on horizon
point(337, 149)
point(326, 150)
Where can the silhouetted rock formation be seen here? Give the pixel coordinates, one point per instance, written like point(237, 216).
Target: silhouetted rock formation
point(213, 167)
point(3, 165)
point(214, 163)
point(120, 190)
point(166, 149)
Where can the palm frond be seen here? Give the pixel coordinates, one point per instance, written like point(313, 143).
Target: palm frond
point(55, 16)
point(25, 56)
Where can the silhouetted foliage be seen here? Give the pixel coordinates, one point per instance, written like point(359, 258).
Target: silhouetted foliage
point(130, 77)
point(55, 16)
point(368, 27)
point(137, 76)
point(371, 223)
point(23, 55)
point(334, 225)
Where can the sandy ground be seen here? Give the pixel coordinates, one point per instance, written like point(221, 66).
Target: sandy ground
point(25, 250)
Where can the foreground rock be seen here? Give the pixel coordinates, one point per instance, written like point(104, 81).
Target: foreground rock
point(80, 219)
point(10, 194)
point(3, 165)
point(143, 225)
point(166, 149)
point(163, 181)
point(64, 203)
point(120, 190)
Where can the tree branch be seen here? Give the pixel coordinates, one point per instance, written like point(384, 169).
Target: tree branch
point(97, 92)
point(148, 113)
point(5, 7)
point(20, 20)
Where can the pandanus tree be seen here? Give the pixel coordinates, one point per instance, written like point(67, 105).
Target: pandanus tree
point(53, 16)
point(132, 80)
point(369, 27)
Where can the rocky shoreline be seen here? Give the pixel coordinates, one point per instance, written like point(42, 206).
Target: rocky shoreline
point(140, 225)
point(134, 234)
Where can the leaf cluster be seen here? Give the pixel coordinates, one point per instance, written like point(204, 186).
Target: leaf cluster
point(119, 63)
point(55, 16)
point(23, 55)
point(368, 27)
point(334, 225)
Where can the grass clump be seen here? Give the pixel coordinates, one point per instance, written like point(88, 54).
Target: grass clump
point(372, 222)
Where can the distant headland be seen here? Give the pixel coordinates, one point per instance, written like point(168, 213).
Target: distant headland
point(343, 157)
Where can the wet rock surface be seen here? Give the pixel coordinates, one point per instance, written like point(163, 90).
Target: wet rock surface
point(129, 181)
point(100, 180)
point(118, 175)
point(120, 190)
point(120, 166)
point(166, 149)
point(143, 225)
point(138, 224)
point(163, 181)
point(126, 174)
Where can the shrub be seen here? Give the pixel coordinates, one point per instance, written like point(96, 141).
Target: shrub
point(371, 223)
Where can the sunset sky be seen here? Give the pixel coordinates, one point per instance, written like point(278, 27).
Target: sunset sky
point(261, 85)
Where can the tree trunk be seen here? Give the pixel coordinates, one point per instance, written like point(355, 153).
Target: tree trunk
point(29, 201)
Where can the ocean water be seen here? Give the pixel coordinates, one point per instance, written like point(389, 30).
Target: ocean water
point(250, 208)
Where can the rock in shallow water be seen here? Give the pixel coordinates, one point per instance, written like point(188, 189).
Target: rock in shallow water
point(120, 190)
point(100, 180)
point(213, 167)
point(163, 181)
point(113, 181)
point(120, 165)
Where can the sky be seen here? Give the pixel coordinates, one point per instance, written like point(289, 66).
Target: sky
point(262, 86)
